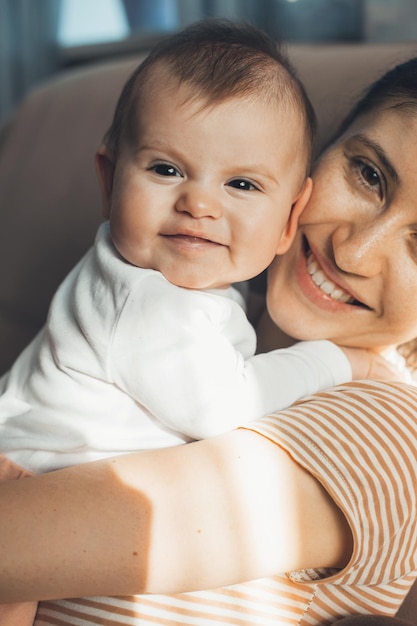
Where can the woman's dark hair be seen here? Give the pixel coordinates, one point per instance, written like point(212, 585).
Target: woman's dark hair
point(396, 89)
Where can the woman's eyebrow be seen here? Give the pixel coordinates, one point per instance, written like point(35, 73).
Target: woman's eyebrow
point(380, 152)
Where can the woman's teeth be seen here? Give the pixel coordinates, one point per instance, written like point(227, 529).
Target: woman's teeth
point(326, 285)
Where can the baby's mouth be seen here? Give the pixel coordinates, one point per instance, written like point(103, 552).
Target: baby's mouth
point(326, 285)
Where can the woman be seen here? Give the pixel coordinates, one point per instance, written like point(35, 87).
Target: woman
point(328, 484)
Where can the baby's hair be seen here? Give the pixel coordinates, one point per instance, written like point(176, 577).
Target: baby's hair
point(218, 59)
point(396, 89)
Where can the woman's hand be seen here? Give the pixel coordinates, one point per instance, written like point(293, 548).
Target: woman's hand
point(388, 365)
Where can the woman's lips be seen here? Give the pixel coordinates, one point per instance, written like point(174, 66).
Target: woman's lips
point(322, 281)
point(322, 288)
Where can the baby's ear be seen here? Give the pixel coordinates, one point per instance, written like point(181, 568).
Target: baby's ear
point(105, 165)
point(297, 208)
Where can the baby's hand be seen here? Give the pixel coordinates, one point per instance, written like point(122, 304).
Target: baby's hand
point(372, 365)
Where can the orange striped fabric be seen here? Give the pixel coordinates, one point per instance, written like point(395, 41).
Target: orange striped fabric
point(360, 441)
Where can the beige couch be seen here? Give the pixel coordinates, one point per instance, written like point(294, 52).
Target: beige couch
point(49, 200)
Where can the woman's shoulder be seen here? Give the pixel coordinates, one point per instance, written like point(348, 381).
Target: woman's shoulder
point(359, 441)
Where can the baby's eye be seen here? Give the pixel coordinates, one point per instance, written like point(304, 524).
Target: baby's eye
point(165, 169)
point(243, 184)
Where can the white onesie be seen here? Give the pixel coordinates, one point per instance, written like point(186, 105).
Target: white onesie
point(128, 361)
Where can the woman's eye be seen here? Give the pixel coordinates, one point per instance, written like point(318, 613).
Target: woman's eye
point(243, 184)
point(369, 177)
point(164, 169)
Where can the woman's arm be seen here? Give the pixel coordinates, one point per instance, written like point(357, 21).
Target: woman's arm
point(203, 515)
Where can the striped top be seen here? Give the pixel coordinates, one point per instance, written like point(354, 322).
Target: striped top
point(360, 441)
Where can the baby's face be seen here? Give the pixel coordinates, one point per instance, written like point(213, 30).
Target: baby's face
point(204, 194)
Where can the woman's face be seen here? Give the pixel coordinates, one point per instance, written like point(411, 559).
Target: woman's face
point(351, 274)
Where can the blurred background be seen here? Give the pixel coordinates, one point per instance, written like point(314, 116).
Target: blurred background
point(39, 38)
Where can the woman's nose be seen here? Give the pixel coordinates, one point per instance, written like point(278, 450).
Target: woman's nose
point(199, 201)
point(362, 249)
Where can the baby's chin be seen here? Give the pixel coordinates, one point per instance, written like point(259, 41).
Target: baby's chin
point(197, 285)
point(193, 284)
point(191, 278)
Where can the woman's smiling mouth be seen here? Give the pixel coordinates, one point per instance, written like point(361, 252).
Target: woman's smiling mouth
point(326, 285)
point(321, 280)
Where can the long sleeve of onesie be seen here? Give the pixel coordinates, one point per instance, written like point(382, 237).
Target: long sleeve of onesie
point(188, 356)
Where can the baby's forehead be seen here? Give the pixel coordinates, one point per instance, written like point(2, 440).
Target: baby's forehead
point(161, 84)
point(179, 100)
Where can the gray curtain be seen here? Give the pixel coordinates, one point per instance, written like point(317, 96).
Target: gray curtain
point(304, 20)
point(28, 47)
point(160, 15)
point(151, 15)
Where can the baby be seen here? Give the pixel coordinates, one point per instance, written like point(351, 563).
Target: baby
point(203, 174)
